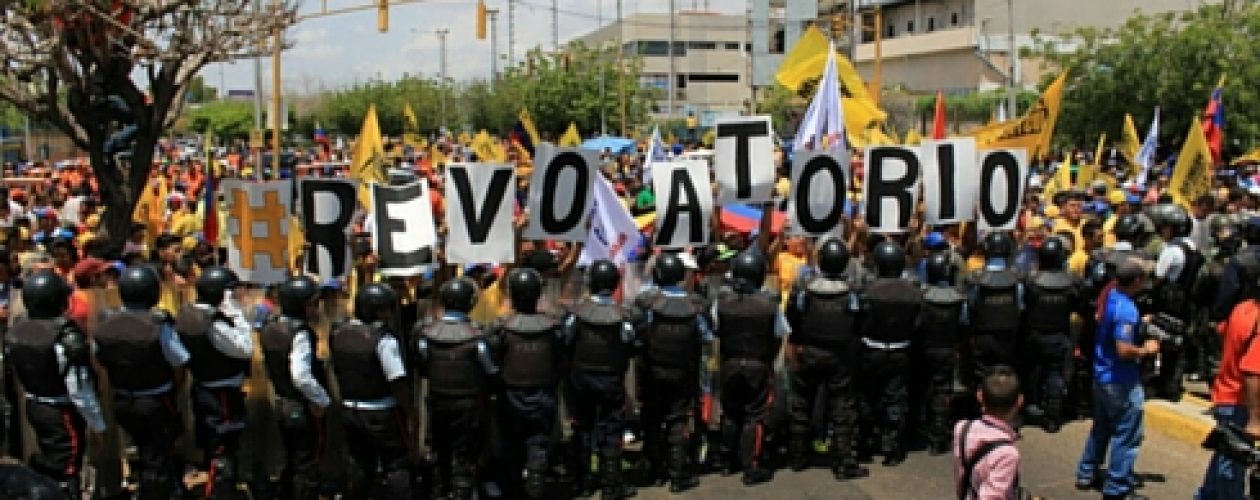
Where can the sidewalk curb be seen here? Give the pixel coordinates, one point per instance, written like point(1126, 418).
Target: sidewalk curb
point(1186, 421)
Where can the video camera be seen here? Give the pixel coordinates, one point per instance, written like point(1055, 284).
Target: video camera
point(1165, 329)
point(1230, 440)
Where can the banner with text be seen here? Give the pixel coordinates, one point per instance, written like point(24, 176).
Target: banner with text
point(560, 193)
point(327, 208)
point(479, 206)
point(258, 229)
point(403, 230)
point(684, 202)
point(744, 160)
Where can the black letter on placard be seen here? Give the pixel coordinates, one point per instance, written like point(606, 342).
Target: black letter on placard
point(551, 179)
point(898, 189)
point(992, 162)
point(742, 132)
point(387, 226)
point(804, 217)
point(945, 165)
point(331, 235)
point(679, 181)
point(479, 222)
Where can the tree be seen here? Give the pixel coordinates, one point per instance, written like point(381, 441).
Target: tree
point(226, 120)
point(199, 92)
point(70, 64)
point(1170, 60)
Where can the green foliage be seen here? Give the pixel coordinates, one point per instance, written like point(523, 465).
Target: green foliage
point(199, 92)
point(556, 89)
point(781, 104)
point(1168, 60)
point(226, 119)
point(974, 107)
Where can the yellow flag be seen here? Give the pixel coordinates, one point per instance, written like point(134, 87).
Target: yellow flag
point(571, 137)
point(1192, 175)
point(296, 239)
point(913, 138)
point(1252, 156)
point(1034, 130)
point(487, 149)
point(805, 61)
point(1130, 142)
point(411, 126)
point(1061, 181)
point(367, 162)
point(989, 132)
point(464, 138)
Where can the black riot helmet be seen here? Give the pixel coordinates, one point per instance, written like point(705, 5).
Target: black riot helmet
point(458, 295)
point(940, 269)
point(890, 259)
point(1251, 231)
point(1128, 227)
point(45, 295)
point(748, 271)
point(668, 270)
point(214, 283)
point(372, 300)
point(1172, 216)
point(602, 277)
point(833, 258)
point(998, 244)
point(1051, 254)
point(139, 287)
point(296, 294)
point(524, 288)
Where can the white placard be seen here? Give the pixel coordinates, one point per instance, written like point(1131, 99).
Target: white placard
point(820, 181)
point(891, 188)
point(560, 193)
point(744, 160)
point(258, 229)
point(479, 213)
point(684, 203)
point(950, 180)
point(403, 233)
point(1002, 178)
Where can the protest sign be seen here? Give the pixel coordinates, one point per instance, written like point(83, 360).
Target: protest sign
point(613, 234)
point(949, 180)
point(403, 234)
point(479, 213)
point(684, 201)
point(327, 207)
point(891, 188)
point(1003, 175)
point(258, 228)
point(560, 193)
point(744, 160)
point(819, 185)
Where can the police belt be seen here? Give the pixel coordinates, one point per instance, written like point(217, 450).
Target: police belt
point(145, 393)
point(885, 346)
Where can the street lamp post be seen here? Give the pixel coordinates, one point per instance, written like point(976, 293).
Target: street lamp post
point(441, 33)
point(494, 45)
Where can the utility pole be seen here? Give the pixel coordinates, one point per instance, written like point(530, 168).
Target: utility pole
point(1011, 102)
point(621, 68)
point(673, 72)
point(276, 102)
point(555, 25)
point(441, 33)
point(494, 45)
point(511, 13)
point(603, 115)
point(258, 102)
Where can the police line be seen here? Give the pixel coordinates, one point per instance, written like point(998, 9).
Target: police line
point(960, 183)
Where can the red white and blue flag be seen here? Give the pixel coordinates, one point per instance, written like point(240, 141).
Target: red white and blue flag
point(1214, 122)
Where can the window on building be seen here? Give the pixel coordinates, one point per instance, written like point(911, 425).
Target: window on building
point(702, 45)
point(731, 46)
point(953, 19)
point(713, 77)
point(681, 82)
point(888, 33)
point(777, 42)
point(910, 26)
point(931, 24)
point(654, 81)
point(680, 48)
point(653, 48)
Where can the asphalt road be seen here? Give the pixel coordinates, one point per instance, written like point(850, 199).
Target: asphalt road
point(1171, 469)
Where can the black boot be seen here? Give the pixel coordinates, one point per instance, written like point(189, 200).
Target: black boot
point(798, 453)
point(614, 488)
point(754, 474)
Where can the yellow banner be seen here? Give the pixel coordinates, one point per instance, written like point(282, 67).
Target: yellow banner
point(367, 163)
point(1130, 141)
point(487, 149)
point(1034, 130)
point(1192, 175)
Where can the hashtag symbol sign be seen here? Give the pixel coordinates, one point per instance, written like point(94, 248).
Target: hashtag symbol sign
point(271, 214)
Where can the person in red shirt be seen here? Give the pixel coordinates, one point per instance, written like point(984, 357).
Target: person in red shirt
point(1235, 398)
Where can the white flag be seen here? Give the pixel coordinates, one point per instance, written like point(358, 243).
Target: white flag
point(1146, 154)
point(824, 118)
point(613, 234)
point(656, 152)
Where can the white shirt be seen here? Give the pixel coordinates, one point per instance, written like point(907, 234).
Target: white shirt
point(1173, 259)
point(301, 358)
point(235, 340)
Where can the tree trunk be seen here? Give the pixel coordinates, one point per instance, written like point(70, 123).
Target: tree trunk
point(120, 187)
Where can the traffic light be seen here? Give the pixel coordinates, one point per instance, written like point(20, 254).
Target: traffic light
point(382, 16)
point(481, 20)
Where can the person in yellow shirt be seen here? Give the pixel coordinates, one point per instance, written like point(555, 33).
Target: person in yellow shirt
point(1131, 203)
point(1071, 218)
point(787, 264)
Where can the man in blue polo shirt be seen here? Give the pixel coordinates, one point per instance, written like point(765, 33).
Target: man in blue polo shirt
point(1118, 396)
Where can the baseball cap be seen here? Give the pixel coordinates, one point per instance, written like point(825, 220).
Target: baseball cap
point(934, 240)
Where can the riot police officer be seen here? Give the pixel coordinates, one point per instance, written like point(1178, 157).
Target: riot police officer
point(297, 377)
point(51, 357)
point(749, 327)
point(1053, 294)
point(134, 344)
point(527, 347)
point(995, 297)
point(601, 335)
point(890, 316)
point(369, 367)
point(944, 315)
point(675, 331)
point(220, 343)
point(1240, 273)
point(821, 357)
point(1175, 271)
point(456, 359)
point(1207, 342)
